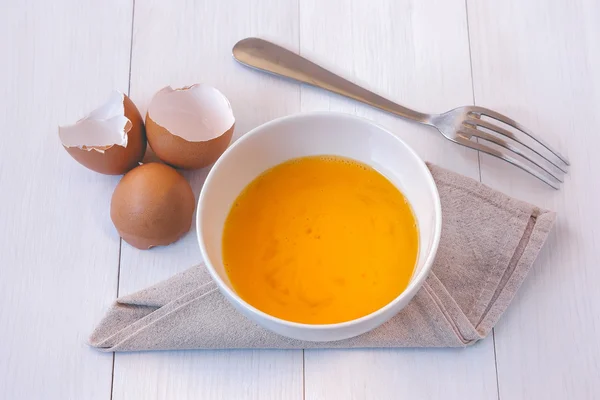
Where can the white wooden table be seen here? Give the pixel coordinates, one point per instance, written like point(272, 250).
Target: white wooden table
point(62, 262)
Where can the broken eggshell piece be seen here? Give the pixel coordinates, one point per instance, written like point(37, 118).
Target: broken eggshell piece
point(189, 127)
point(110, 140)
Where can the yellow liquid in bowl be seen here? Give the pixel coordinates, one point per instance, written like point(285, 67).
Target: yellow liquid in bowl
point(320, 240)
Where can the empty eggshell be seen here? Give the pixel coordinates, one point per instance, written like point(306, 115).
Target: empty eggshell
point(189, 127)
point(110, 140)
point(152, 206)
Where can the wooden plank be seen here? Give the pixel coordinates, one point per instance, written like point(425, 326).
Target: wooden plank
point(180, 43)
point(402, 373)
point(538, 62)
point(243, 374)
point(414, 52)
point(60, 60)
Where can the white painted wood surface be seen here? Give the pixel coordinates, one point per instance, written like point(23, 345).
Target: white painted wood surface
point(58, 250)
point(540, 62)
point(61, 269)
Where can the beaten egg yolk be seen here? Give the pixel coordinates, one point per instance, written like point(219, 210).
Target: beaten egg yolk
point(320, 240)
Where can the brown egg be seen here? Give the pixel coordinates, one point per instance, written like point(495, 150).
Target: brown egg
point(152, 206)
point(189, 127)
point(110, 140)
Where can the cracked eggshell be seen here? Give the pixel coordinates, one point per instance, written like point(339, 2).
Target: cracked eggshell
point(189, 127)
point(110, 140)
point(152, 205)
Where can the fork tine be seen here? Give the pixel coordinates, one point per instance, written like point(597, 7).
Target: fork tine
point(460, 139)
point(503, 143)
point(516, 125)
point(485, 124)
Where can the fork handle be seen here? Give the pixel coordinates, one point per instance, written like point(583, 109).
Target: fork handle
point(269, 57)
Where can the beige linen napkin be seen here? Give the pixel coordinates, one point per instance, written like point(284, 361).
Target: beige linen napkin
point(488, 244)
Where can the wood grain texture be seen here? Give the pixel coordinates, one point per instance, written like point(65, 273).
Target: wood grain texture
point(180, 43)
point(59, 253)
point(246, 374)
point(416, 53)
point(401, 374)
point(538, 62)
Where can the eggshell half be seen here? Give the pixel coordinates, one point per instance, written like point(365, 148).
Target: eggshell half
point(110, 140)
point(189, 127)
point(152, 206)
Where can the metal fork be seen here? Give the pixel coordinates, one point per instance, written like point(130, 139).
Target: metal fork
point(460, 125)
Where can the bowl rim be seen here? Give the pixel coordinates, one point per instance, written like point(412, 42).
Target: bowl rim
point(415, 283)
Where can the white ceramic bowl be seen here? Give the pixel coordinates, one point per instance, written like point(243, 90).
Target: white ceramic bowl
point(317, 134)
